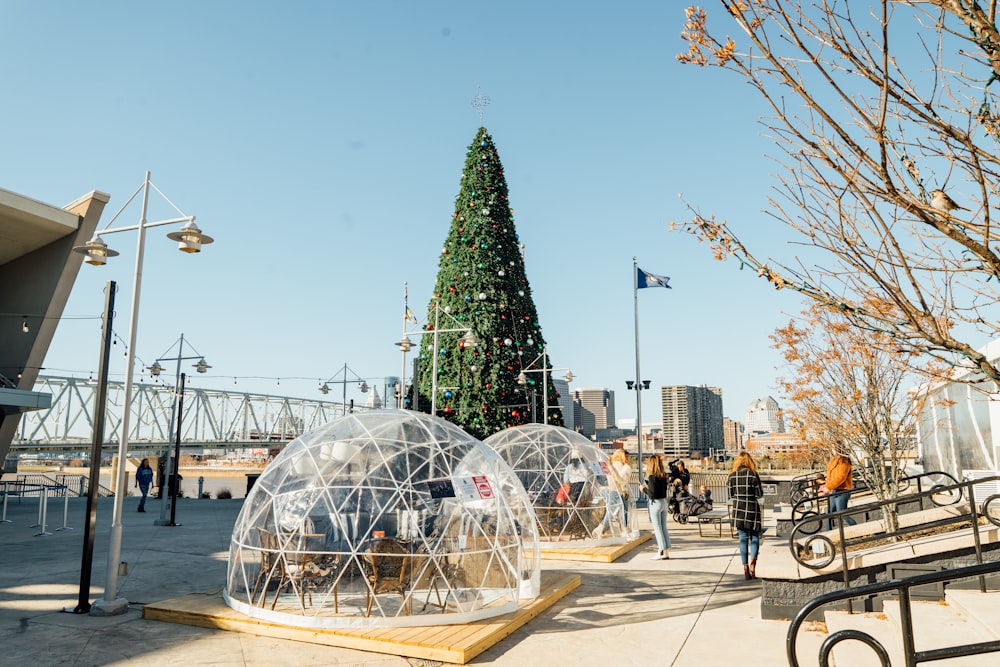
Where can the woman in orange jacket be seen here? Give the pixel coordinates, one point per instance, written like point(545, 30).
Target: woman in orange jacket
point(838, 484)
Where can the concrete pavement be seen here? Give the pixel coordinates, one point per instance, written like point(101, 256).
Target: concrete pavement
point(694, 610)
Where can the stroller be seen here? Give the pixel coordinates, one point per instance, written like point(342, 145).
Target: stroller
point(684, 505)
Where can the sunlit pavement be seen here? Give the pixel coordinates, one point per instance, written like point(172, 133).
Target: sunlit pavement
point(694, 609)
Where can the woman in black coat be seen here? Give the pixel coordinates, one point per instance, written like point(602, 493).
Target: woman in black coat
point(744, 490)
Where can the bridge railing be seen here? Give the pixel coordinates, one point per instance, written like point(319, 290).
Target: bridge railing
point(212, 417)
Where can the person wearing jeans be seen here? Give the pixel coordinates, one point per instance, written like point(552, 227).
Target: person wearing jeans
point(656, 490)
point(744, 491)
point(143, 478)
point(839, 484)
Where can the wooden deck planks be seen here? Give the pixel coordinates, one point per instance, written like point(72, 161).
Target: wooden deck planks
point(449, 643)
point(595, 554)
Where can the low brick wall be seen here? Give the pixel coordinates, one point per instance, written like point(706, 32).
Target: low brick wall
point(781, 599)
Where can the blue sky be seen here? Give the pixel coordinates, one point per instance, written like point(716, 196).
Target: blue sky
point(322, 143)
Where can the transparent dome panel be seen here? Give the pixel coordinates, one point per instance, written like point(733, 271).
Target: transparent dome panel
point(384, 518)
point(569, 482)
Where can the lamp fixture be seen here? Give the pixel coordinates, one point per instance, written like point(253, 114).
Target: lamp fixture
point(363, 387)
point(24, 325)
point(405, 344)
point(468, 340)
point(190, 239)
point(155, 369)
point(96, 251)
point(325, 389)
point(201, 366)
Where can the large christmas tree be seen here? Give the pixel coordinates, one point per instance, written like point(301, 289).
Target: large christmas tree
point(482, 287)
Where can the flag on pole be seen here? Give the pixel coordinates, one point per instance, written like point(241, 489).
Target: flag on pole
point(409, 316)
point(644, 279)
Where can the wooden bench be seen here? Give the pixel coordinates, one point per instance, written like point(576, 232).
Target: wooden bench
point(716, 518)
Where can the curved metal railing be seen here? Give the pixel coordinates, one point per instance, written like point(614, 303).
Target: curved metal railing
point(811, 504)
point(824, 549)
point(902, 586)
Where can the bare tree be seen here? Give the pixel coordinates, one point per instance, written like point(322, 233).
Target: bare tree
point(848, 396)
point(876, 107)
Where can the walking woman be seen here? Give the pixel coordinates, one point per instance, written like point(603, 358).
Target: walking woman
point(656, 490)
point(143, 478)
point(744, 490)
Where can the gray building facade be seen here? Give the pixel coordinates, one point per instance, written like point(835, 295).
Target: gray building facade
point(692, 420)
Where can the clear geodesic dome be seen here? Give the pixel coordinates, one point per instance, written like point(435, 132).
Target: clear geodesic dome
point(381, 519)
point(568, 479)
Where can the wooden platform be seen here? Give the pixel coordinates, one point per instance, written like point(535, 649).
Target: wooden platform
point(595, 554)
point(449, 643)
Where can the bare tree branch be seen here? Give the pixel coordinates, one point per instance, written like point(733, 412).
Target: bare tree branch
point(873, 113)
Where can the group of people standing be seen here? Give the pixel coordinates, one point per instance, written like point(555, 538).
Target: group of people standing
point(745, 491)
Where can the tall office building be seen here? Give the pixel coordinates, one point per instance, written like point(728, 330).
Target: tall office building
point(565, 402)
point(593, 409)
point(764, 416)
point(692, 420)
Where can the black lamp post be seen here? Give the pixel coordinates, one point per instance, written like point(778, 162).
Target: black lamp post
point(100, 412)
point(174, 482)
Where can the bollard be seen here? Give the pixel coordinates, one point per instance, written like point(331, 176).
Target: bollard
point(65, 490)
point(43, 505)
point(40, 521)
point(6, 492)
point(82, 491)
point(201, 486)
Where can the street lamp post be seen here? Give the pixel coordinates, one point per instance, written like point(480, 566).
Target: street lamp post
point(362, 385)
point(467, 340)
point(405, 345)
point(168, 499)
point(522, 379)
point(190, 239)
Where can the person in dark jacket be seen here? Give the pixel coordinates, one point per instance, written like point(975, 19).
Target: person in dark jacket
point(744, 490)
point(656, 490)
point(143, 478)
point(679, 471)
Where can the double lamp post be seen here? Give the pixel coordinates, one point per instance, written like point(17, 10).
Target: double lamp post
point(189, 239)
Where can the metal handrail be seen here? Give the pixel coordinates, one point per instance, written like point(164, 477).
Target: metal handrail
point(814, 504)
point(61, 480)
point(902, 586)
point(956, 492)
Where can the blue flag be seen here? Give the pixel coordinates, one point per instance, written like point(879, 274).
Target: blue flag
point(644, 279)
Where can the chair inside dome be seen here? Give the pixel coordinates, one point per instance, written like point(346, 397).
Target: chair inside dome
point(384, 518)
point(568, 479)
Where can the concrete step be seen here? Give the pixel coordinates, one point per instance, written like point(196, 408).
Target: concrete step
point(940, 625)
point(850, 653)
point(966, 617)
point(982, 609)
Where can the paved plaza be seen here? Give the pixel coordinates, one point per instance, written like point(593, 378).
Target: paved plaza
point(694, 610)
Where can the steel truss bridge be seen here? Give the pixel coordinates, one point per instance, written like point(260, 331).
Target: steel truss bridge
point(212, 418)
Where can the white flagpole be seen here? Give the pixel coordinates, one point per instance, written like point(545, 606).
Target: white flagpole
point(400, 400)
